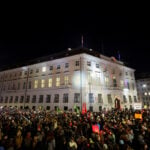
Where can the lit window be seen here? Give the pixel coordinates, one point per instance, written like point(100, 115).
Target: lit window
point(66, 79)
point(36, 84)
point(44, 69)
point(144, 85)
point(58, 81)
point(42, 83)
point(121, 83)
point(106, 81)
point(148, 93)
point(145, 93)
point(50, 82)
point(97, 79)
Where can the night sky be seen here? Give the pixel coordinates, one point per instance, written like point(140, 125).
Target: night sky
point(25, 36)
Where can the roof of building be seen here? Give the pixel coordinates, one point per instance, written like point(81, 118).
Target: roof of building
point(140, 76)
point(66, 53)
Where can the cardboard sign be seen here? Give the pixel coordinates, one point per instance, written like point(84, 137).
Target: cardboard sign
point(95, 128)
point(138, 116)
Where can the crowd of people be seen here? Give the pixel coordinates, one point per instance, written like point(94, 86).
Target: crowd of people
point(45, 130)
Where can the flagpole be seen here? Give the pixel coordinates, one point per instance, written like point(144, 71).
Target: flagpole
point(82, 41)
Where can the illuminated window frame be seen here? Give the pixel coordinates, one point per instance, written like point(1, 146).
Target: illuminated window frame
point(57, 81)
point(42, 83)
point(50, 81)
point(36, 84)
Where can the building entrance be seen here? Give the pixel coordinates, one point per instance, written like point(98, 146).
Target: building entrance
point(117, 103)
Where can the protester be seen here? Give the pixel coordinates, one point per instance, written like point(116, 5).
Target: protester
point(45, 130)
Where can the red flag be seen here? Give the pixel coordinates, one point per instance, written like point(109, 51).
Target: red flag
point(84, 108)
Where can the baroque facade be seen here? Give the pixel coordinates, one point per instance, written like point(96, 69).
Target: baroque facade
point(71, 78)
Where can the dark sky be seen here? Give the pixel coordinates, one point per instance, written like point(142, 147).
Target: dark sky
point(27, 35)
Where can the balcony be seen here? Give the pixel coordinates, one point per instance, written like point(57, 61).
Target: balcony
point(111, 88)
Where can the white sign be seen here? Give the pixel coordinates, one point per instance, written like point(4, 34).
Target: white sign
point(137, 106)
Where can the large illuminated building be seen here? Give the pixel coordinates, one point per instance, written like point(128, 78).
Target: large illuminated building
point(143, 89)
point(75, 77)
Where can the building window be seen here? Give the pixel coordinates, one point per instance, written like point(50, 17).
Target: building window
point(124, 99)
point(6, 99)
point(121, 83)
point(97, 65)
point(43, 69)
point(100, 108)
point(91, 98)
point(66, 80)
point(128, 85)
point(133, 86)
point(1, 100)
point(37, 70)
point(77, 63)
point(41, 99)
point(106, 81)
point(58, 81)
point(11, 99)
point(51, 68)
point(88, 63)
point(28, 99)
point(135, 100)
point(31, 71)
point(97, 78)
point(34, 99)
point(145, 93)
point(130, 99)
point(36, 84)
point(25, 73)
point(20, 74)
point(109, 98)
point(76, 97)
point(42, 83)
point(65, 98)
point(18, 86)
point(56, 98)
point(48, 98)
point(65, 108)
point(91, 108)
point(100, 99)
point(21, 99)
point(66, 65)
point(24, 85)
point(113, 71)
point(47, 107)
point(89, 76)
point(16, 99)
point(50, 82)
point(29, 84)
point(114, 82)
point(58, 67)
